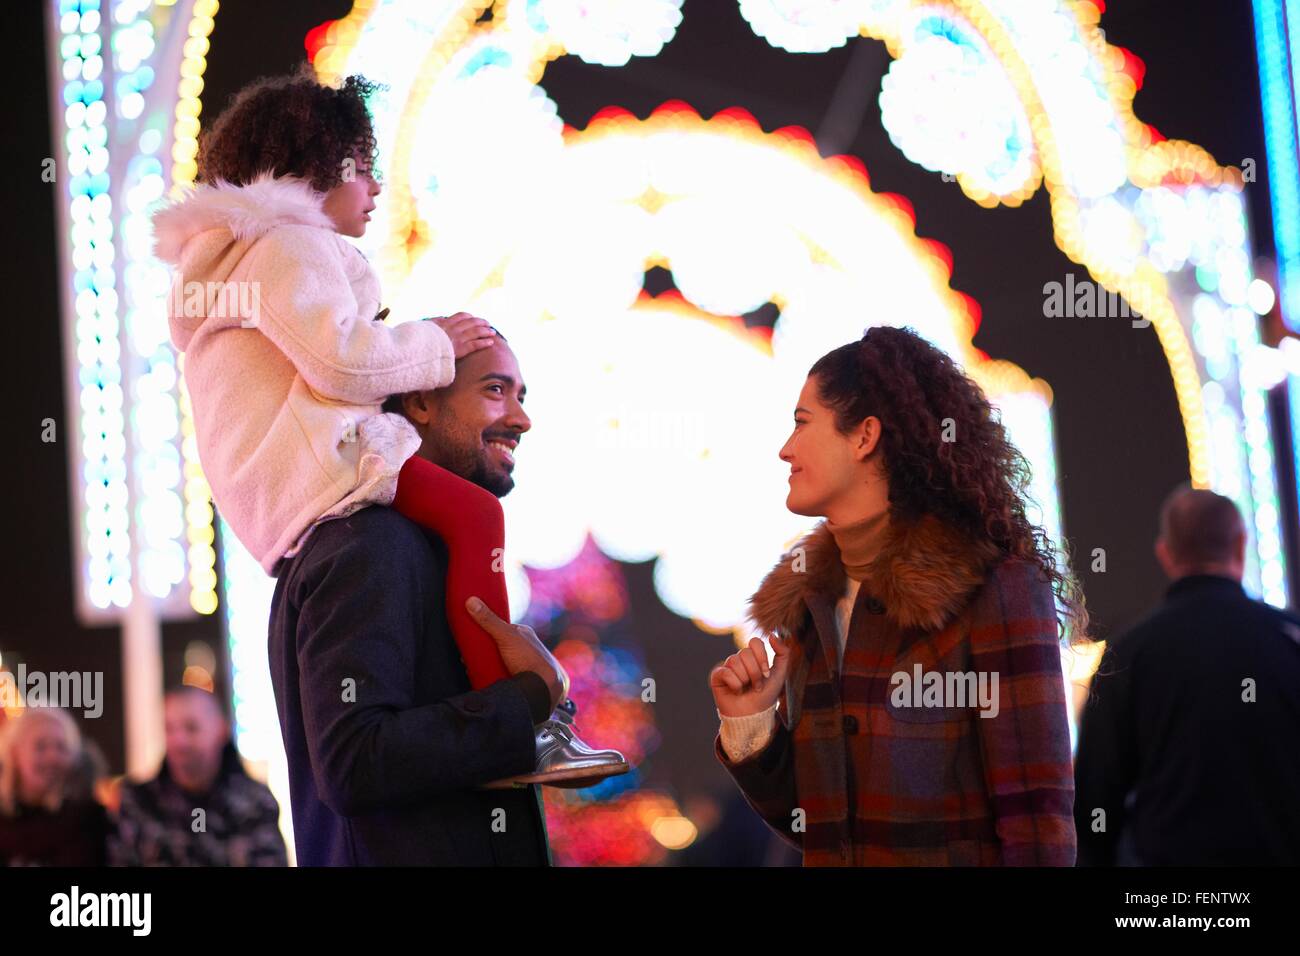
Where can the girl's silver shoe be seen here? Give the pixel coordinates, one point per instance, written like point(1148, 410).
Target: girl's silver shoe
point(565, 727)
point(564, 760)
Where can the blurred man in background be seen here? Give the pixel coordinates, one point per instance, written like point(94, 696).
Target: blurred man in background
point(202, 808)
point(1189, 748)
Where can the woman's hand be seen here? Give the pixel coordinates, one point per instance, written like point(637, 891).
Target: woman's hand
point(468, 333)
point(744, 684)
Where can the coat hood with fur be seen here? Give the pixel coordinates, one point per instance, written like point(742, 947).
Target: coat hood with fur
point(247, 212)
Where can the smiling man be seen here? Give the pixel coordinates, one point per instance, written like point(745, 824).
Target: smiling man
point(473, 426)
point(389, 748)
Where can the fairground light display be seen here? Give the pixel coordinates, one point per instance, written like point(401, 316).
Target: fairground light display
point(1005, 97)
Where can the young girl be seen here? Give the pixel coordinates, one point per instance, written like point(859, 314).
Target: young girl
point(287, 366)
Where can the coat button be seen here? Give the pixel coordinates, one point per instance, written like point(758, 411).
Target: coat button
point(874, 606)
point(850, 724)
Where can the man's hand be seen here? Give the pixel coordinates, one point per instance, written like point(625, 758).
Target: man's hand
point(744, 684)
point(521, 650)
point(468, 333)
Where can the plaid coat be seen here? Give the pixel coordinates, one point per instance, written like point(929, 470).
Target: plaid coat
point(854, 775)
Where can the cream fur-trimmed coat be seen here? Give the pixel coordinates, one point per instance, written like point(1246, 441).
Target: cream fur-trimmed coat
point(285, 363)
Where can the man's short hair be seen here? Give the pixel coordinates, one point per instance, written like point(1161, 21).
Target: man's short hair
point(1200, 527)
point(190, 692)
point(393, 403)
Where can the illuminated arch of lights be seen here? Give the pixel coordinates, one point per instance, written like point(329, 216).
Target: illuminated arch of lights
point(644, 407)
point(1158, 221)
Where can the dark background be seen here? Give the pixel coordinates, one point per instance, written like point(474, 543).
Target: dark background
point(1120, 441)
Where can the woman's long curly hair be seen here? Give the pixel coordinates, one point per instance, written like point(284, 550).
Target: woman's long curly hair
point(976, 480)
point(291, 125)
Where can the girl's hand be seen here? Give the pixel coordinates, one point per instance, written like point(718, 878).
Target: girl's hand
point(743, 684)
point(468, 333)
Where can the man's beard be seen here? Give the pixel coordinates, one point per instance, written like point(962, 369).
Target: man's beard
point(487, 477)
point(465, 453)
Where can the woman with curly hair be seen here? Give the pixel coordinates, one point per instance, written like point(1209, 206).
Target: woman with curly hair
point(914, 711)
point(288, 363)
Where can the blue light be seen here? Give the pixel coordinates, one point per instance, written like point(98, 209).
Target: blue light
point(103, 280)
point(488, 56)
point(1277, 99)
point(533, 14)
point(1293, 400)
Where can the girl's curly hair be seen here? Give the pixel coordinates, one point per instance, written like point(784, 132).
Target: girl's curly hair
point(977, 481)
point(291, 125)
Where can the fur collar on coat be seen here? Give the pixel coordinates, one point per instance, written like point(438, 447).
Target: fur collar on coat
point(925, 573)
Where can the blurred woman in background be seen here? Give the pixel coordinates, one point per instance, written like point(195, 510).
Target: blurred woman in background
point(47, 814)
